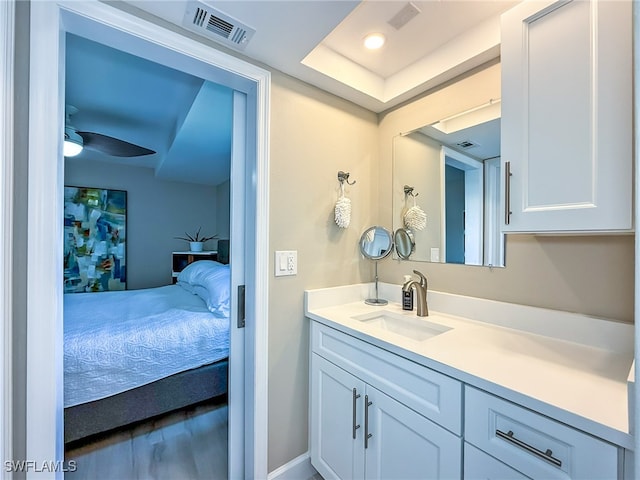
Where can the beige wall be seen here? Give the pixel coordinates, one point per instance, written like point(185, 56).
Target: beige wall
point(417, 163)
point(313, 136)
point(586, 274)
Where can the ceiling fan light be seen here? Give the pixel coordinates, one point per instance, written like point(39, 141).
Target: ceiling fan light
point(374, 41)
point(73, 143)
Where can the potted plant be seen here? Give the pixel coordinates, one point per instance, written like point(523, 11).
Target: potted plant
point(196, 241)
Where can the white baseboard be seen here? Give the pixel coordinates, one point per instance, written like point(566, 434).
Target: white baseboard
point(299, 468)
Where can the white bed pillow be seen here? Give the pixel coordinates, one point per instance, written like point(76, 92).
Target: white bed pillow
point(211, 281)
point(187, 286)
point(192, 272)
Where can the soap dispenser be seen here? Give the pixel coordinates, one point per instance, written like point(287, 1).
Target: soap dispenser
point(407, 295)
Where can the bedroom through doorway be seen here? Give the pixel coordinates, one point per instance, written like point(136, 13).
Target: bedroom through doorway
point(146, 328)
point(248, 189)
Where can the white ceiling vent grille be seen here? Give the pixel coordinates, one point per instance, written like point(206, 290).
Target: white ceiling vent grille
point(208, 21)
point(401, 18)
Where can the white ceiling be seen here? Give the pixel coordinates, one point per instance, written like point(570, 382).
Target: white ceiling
point(320, 41)
point(184, 119)
point(188, 121)
point(481, 141)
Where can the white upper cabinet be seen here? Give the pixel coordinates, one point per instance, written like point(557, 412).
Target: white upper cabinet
point(567, 116)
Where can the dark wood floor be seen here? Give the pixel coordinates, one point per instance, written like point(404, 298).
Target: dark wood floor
point(185, 445)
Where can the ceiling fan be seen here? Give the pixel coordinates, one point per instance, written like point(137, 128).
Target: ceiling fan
point(75, 141)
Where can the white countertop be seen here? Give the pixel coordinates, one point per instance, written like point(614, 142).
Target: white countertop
point(567, 366)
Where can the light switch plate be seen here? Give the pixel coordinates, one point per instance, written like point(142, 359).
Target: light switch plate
point(286, 263)
point(435, 254)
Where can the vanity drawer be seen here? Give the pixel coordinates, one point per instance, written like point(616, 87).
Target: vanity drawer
point(479, 465)
point(534, 444)
point(431, 394)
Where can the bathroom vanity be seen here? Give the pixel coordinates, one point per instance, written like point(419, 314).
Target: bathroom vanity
point(478, 389)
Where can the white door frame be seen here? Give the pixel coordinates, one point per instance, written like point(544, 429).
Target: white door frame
point(7, 52)
point(493, 235)
point(635, 463)
point(50, 20)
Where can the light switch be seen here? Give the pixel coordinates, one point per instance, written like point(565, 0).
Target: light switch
point(435, 255)
point(286, 263)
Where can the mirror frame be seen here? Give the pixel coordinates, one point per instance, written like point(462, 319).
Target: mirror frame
point(363, 241)
point(404, 242)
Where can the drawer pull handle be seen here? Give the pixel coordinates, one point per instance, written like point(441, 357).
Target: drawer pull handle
point(367, 435)
point(507, 192)
point(355, 427)
point(548, 455)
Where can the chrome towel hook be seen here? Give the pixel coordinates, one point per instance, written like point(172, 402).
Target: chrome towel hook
point(409, 191)
point(344, 177)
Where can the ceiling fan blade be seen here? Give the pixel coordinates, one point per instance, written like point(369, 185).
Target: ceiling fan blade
point(113, 146)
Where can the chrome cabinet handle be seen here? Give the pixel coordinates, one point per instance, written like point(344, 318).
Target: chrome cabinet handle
point(507, 192)
point(356, 396)
point(546, 455)
point(367, 435)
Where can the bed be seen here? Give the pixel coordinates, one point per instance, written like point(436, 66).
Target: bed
point(131, 355)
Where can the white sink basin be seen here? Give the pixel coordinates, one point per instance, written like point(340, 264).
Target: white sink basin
point(413, 327)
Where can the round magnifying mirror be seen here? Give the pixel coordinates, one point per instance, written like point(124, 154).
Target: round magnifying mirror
point(376, 243)
point(405, 244)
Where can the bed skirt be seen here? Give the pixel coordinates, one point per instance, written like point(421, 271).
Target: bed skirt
point(141, 403)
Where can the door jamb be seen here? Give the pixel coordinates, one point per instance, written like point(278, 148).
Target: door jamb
point(7, 55)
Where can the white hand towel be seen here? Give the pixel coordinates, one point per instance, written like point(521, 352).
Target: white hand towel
point(415, 218)
point(343, 211)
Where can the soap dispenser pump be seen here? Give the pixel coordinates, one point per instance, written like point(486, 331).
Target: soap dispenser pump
point(407, 295)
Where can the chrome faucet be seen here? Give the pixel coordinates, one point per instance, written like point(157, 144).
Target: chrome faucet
point(420, 287)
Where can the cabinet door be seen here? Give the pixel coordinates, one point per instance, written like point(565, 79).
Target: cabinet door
point(404, 444)
point(480, 466)
point(335, 420)
point(567, 116)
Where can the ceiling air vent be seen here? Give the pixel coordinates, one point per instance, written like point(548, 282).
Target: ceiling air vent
point(466, 144)
point(219, 26)
point(405, 14)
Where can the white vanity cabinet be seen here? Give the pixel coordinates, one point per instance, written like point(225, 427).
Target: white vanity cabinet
point(516, 393)
point(567, 116)
point(373, 414)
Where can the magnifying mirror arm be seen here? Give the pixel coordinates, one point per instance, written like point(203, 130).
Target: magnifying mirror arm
point(375, 244)
point(377, 300)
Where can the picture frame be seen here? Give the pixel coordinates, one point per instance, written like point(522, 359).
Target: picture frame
point(95, 241)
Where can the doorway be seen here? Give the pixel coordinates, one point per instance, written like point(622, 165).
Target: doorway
point(50, 22)
point(146, 200)
point(463, 207)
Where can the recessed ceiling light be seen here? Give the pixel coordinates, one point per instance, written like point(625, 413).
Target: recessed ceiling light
point(374, 41)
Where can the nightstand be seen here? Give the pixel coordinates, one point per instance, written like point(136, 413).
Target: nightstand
point(179, 260)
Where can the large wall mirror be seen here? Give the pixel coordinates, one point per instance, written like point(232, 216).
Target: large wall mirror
point(450, 170)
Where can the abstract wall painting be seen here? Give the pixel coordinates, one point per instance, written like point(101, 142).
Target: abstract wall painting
point(95, 221)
